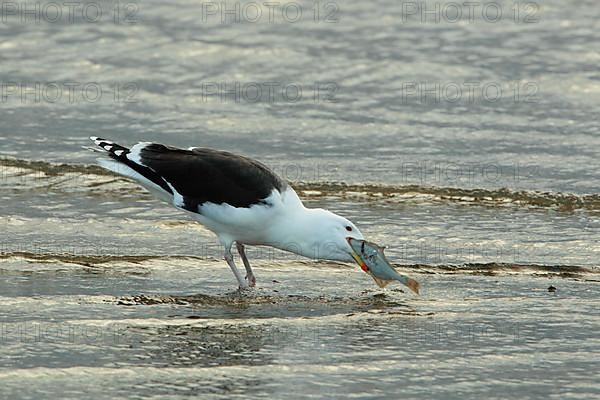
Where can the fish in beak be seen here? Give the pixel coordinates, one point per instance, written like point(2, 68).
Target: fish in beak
point(356, 257)
point(371, 259)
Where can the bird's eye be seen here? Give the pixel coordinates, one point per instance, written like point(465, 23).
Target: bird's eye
point(349, 228)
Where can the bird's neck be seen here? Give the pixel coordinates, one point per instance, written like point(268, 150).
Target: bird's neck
point(297, 231)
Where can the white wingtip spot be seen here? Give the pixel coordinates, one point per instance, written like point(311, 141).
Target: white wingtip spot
point(119, 152)
point(107, 147)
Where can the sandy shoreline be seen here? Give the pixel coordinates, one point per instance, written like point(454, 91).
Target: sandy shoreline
point(304, 330)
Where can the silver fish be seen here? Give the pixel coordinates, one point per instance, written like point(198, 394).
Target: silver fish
point(371, 259)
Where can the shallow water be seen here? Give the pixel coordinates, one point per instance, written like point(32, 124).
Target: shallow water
point(106, 292)
point(305, 330)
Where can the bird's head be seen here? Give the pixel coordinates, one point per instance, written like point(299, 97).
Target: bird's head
point(325, 236)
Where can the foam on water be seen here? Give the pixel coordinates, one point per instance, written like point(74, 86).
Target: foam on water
point(24, 175)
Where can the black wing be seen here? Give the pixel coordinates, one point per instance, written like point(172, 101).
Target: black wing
point(203, 175)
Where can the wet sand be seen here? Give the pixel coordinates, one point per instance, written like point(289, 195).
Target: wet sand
point(108, 293)
point(178, 329)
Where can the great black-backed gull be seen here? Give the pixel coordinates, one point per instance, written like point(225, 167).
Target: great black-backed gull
point(238, 198)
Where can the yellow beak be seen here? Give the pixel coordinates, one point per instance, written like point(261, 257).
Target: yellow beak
point(359, 261)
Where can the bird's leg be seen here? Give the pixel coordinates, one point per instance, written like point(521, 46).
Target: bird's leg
point(229, 258)
point(249, 274)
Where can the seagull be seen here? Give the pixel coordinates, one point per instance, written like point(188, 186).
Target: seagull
point(238, 198)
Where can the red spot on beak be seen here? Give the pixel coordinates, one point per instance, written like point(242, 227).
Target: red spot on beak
point(357, 258)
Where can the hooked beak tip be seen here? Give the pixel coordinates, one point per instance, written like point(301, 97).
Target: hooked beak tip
point(357, 257)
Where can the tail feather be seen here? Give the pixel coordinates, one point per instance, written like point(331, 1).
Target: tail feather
point(126, 166)
point(93, 149)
